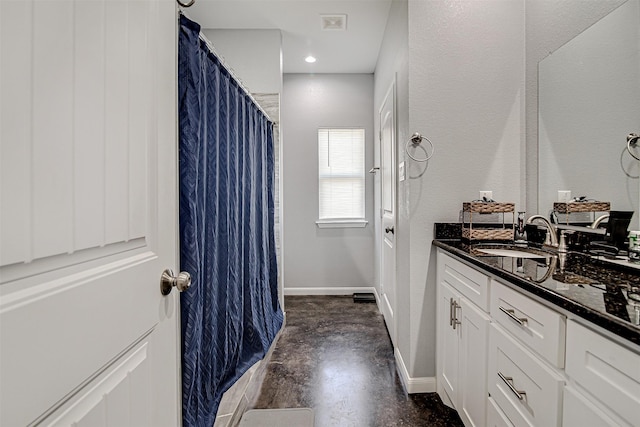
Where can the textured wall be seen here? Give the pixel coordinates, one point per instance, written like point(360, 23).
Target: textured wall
point(466, 93)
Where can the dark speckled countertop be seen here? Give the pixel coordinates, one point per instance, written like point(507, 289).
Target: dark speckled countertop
point(594, 289)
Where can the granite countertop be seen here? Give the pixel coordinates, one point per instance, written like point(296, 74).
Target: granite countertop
point(589, 287)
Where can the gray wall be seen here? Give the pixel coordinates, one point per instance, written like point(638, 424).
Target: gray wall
point(325, 260)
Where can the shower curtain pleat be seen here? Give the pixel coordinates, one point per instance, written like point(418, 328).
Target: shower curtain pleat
point(231, 314)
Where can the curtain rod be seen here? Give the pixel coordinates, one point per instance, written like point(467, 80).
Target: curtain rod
point(229, 70)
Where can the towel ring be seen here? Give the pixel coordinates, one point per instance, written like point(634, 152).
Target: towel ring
point(188, 4)
point(632, 140)
point(416, 139)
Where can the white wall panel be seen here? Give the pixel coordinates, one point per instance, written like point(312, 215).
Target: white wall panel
point(74, 132)
point(15, 131)
point(89, 117)
point(116, 124)
point(138, 110)
point(52, 173)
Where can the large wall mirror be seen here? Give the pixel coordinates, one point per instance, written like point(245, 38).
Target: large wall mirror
point(589, 101)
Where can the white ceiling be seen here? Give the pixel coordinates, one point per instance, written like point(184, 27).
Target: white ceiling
point(352, 51)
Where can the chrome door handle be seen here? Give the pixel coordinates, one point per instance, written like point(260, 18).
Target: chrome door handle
point(167, 281)
point(389, 230)
point(522, 321)
point(509, 382)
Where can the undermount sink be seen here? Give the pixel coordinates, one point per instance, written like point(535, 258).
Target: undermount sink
point(514, 253)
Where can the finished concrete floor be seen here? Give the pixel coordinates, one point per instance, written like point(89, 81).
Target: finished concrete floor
point(335, 357)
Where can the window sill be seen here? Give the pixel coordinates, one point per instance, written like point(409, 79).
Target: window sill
point(341, 223)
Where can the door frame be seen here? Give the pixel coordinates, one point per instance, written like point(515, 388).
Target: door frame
point(389, 95)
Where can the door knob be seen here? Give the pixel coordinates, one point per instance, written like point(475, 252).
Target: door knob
point(167, 281)
point(389, 230)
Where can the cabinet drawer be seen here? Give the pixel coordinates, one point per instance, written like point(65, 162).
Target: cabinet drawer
point(606, 370)
point(538, 327)
point(526, 390)
point(469, 282)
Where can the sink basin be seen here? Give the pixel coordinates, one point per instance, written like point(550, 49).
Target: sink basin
point(514, 253)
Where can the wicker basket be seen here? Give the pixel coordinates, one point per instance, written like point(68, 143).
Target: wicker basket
point(571, 207)
point(491, 234)
point(488, 207)
point(486, 233)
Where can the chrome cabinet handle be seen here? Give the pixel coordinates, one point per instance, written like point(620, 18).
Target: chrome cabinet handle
point(509, 382)
point(450, 311)
point(522, 321)
point(167, 281)
point(455, 321)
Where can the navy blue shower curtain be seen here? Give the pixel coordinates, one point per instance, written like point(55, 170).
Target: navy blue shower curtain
point(231, 314)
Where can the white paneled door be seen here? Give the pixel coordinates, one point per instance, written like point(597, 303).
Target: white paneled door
point(88, 213)
point(388, 211)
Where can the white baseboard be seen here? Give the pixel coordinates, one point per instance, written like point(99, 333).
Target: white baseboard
point(331, 291)
point(413, 385)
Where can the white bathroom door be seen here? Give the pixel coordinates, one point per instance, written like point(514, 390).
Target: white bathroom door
point(388, 211)
point(88, 211)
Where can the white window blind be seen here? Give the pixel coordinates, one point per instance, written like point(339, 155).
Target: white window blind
point(341, 173)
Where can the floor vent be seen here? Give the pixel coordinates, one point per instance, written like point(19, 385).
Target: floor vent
point(364, 298)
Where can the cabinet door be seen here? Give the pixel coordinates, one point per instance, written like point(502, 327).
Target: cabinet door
point(578, 411)
point(605, 370)
point(449, 342)
point(472, 363)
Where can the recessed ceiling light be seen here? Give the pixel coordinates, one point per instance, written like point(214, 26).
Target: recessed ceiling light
point(310, 59)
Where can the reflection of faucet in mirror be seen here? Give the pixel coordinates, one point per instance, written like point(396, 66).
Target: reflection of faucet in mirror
point(552, 238)
point(598, 221)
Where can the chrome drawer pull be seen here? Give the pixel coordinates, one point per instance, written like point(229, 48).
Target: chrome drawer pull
point(509, 382)
point(522, 321)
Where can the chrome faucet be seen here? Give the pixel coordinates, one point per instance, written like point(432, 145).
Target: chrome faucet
point(552, 238)
point(599, 220)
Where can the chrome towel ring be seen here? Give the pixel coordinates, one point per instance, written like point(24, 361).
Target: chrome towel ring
point(632, 141)
point(416, 140)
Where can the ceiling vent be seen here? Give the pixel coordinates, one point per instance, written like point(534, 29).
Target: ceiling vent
point(333, 22)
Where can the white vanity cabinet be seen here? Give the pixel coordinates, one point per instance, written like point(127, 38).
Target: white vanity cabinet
point(539, 366)
point(462, 338)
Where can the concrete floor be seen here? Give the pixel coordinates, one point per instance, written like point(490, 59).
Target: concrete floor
point(335, 357)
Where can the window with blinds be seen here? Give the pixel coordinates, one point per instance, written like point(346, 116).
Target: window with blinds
point(341, 173)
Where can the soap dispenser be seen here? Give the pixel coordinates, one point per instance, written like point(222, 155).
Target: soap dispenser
point(519, 235)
